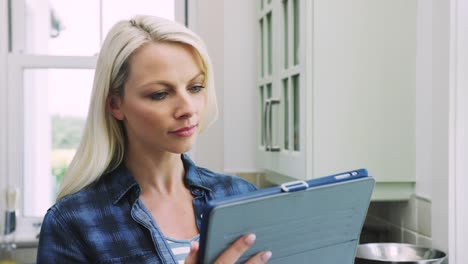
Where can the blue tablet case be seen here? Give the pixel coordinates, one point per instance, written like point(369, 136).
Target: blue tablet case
point(314, 221)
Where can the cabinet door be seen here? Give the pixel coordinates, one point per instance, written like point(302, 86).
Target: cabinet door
point(336, 90)
point(364, 87)
point(281, 88)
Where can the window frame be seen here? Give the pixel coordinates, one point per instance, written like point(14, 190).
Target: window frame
point(12, 67)
point(17, 64)
point(4, 43)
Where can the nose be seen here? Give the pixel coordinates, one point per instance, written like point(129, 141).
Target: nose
point(185, 106)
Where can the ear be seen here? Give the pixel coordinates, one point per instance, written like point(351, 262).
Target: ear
point(113, 106)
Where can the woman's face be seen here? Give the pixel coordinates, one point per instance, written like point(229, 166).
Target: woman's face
point(164, 98)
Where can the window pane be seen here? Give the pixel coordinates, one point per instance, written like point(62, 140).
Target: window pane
point(262, 115)
point(74, 27)
point(296, 31)
point(285, 33)
point(262, 49)
point(55, 109)
point(56, 27)
point(286, 113)
point(296, 111)
point(115, 10)
point(269, 43)
point(269, 91)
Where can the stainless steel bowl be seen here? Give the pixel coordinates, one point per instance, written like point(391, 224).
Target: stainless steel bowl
point(374, 253)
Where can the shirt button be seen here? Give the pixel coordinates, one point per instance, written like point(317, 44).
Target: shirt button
point(201, 216)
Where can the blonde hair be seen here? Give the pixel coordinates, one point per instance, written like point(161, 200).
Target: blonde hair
point(102, 146)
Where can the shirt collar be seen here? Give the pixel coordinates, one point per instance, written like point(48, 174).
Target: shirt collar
point(193, 177)
point(121, 181)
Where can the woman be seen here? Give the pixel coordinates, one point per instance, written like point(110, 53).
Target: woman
point(130, 194)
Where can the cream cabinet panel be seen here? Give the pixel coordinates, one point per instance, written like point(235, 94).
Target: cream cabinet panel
point(338, 90)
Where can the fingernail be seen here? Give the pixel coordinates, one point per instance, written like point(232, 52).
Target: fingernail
point(266, 256)
point(250, 239)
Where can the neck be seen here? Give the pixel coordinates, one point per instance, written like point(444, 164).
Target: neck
point(163, 174)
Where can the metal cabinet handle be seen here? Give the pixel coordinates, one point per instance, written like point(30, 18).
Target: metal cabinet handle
point(265, 125)
point(271, 147)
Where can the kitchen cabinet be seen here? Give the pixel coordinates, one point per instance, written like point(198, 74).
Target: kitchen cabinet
point(336, 90)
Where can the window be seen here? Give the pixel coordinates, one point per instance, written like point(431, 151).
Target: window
point(50, 48)
point(55, 112)
point(59, 28)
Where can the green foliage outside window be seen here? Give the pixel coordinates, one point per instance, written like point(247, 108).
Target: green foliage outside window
point(66, 135)
point(66, 132)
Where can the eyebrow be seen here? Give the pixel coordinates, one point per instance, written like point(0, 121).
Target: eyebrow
point(198, 75)
point(166, 83)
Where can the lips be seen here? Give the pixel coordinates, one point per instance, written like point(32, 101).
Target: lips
point(185, 131)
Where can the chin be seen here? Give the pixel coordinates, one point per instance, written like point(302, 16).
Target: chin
point(181, 149)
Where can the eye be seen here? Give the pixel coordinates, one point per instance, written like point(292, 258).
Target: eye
point(196, 88)
point(158, 96)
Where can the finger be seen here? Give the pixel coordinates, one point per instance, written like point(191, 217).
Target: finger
point(192, 257)
point(235, 251)
point(260, 258)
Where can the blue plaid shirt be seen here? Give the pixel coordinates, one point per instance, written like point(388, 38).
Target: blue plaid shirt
point(107, 222)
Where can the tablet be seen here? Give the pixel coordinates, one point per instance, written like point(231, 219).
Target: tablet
point(314, 221)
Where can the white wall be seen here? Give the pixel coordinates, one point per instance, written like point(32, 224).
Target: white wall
point(3, 110)
point(240, 78)
point(206, 19)
point(424, 100)
point(458, 182)
point(440, 122)
point(434, 115)
point(229, 31)
point(441, 127)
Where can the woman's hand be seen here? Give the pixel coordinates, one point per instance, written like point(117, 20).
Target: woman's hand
point(232, 253)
